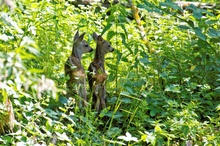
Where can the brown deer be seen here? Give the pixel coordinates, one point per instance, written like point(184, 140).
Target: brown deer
point(97, 75)
point(76, 84)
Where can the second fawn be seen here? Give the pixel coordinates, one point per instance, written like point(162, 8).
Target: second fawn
point(76, 83)
point(97, 75)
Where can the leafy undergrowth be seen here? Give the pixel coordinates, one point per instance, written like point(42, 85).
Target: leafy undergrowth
point(163, 93)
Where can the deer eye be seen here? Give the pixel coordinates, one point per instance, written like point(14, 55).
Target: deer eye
point(86, 45)
point(109, 46)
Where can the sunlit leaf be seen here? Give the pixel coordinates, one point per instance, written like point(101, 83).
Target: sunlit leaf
point(157, 128)
point(110, 35)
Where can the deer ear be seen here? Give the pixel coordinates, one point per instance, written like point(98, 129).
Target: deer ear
point(95, 36)
point(76, 35)
point(80, 38)
point(100, 39)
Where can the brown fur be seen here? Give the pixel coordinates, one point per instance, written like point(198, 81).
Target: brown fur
point(97, 75)
point(76, 84)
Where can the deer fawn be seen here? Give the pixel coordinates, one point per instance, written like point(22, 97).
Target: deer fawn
point(97, 75)
point(76, 83)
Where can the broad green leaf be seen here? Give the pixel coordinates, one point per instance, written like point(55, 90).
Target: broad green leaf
point(110, 35)
point(211, 21)
point(197, 13)
point(203, 44)
point(192, 7)
point(183, 27)
point(191, 23)
point(123, 38)
point(107, 27)
point(122, 10)
point(126, 100)
point(185, 130)
point(153, 112)
point(63, 99)
point(171, 4)
point(199, 33)
point(125, 30)
point(198, 68)
point(114, 131)
point(214, 33)
point(144, 60)
point(129, 89)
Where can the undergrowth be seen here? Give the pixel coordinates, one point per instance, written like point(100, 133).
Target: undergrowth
point(165, 93)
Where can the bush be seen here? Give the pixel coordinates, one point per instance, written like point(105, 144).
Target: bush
point(163, 88)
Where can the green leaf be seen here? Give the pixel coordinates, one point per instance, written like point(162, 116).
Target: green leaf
point(197, 13)
point(185, 130)
point(116, 115)
point(144, 60)
point(107, 27)
point(123, 38)
point(35, 70)
point(157, 129)
point(199, 33)
point(126, 100)
point(191, 23)
point(122, 10)
point(203, 44)
point(110, 35)
point(214, 33)
point(49, 124)
point(153, 112)
point(208, 22)
point(114, 131)
point(183, 27)
point(129, 89)
point(171, 4)
point(63, 99)
point(124, 29)
point(196, 50)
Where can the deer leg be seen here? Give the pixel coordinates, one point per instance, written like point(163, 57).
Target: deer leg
point(102, 96)
point(97, 97)
point(84, 93)
point(79, 95)
point(82, 98)
point(70, 90)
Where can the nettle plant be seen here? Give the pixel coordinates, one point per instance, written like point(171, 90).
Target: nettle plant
point(168, 95)
point(23, 90)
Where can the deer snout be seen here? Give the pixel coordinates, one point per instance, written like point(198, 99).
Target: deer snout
point(112, 50)
point(91, 50)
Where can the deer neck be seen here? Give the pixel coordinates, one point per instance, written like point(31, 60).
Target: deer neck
point(100, 56)
point(76, 53)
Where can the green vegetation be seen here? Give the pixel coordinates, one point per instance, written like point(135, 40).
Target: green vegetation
point(161, 91)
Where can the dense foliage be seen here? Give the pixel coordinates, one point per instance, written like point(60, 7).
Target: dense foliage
point(162, 90)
